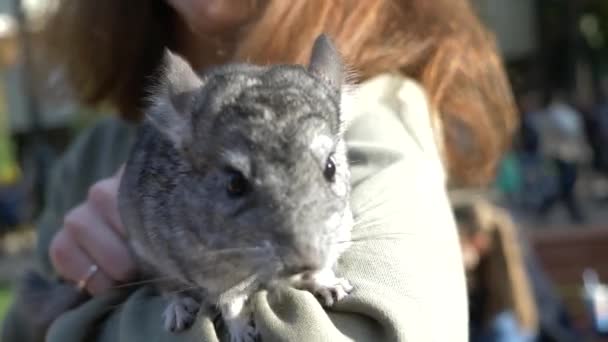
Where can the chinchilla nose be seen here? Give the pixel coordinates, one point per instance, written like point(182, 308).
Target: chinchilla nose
point(300, 255)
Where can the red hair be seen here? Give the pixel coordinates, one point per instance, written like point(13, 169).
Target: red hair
point(113, 48)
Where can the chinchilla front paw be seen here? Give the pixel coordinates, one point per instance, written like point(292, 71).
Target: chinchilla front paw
point(325, 285)
point(180, 313)
point(243, 333)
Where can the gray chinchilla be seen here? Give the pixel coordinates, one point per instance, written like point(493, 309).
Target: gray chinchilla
point(239, 181)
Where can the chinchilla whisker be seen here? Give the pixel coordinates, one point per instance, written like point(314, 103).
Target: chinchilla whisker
point(251, 276)
point(258, 261)
point(370, 205)
point(364, 220)
point(372, 200)
point(143, 282)
point(362, 252)
point(377, 221)
point(233, 250)
point(182, 290)
point(365, 224)
point(376, 237)
point(394, 237)
point(356, 162)
point(119, 305)
point(386, 212)
point(375, 234)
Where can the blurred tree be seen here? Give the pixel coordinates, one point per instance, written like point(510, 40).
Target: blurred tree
point(9, 169)
point(593, 28)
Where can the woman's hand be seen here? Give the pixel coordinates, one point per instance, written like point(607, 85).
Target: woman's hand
point(94, 236)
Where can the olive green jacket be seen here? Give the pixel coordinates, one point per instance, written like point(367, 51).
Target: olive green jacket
point(404, 263)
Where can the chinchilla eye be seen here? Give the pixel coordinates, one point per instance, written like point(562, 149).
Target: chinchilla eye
point(237, 184)
point(330, 169)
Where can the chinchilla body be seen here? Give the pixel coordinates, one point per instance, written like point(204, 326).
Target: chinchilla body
point(239, 177)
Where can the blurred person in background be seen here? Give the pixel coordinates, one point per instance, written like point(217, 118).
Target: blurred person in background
point(434, 107)
point(595, 117)
point(563, 141)
point(530, 106)
point(529, 147)
point(501, 301)
point(510, 297)
point(537, 181)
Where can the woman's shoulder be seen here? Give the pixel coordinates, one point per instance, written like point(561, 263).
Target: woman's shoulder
point(104, 144)
point(392, 113)
point(108, 128)
point(95, 153)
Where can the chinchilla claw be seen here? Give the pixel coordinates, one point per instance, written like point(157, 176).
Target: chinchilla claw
point(180, 313)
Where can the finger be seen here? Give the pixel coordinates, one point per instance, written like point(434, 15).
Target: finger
point(103, 195)
point(101, 243)
point(72, 263)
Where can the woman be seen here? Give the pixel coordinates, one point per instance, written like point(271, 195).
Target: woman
point(433, 97)
point(501, 298)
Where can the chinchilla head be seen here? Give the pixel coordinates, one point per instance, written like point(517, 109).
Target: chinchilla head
point(263, 180)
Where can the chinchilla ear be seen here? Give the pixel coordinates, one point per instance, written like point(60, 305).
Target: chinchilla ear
point(326, 63)
point(173, 98)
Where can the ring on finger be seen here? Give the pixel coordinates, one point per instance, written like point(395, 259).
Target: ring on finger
point(84, 281)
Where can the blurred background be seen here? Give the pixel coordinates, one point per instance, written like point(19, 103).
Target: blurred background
point(536, 244)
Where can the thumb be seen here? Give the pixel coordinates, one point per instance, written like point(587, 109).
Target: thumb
point(120, 171)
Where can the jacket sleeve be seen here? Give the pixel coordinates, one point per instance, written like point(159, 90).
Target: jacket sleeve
point(404, 263)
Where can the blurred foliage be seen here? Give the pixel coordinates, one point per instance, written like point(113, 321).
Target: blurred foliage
point(600, 9)
point(9, 170)
point(593, 27)
point(5, 300)
point(572, 33)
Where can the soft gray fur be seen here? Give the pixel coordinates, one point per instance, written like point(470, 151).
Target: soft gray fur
point(277, 126)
